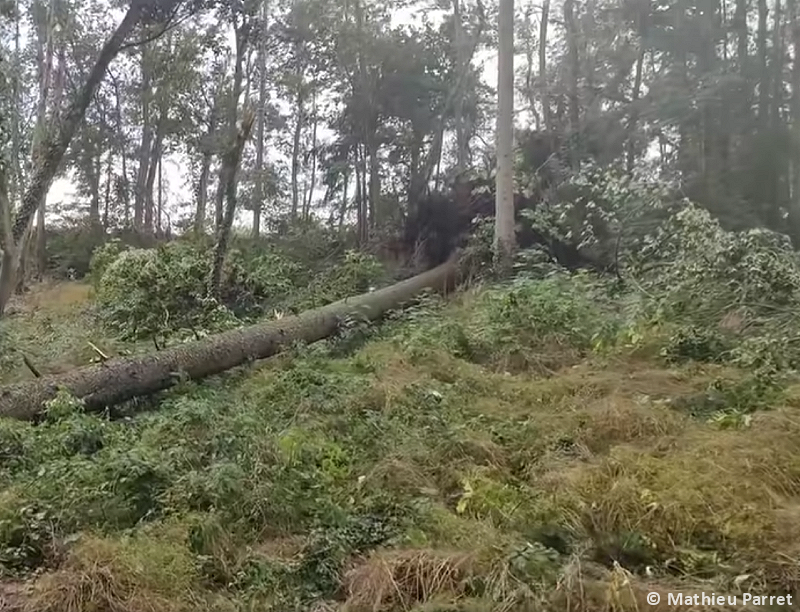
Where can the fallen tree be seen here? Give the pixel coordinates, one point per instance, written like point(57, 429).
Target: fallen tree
point(117, 380)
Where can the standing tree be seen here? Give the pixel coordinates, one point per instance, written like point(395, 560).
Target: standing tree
point(504, 239)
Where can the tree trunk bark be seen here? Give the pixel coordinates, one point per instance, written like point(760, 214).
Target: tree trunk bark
point(109, 178)
point(262, 111)
point(545, 90)
point(145, 147)
point(573, 62)
point(232, 110)
point(763, 88)
point(152, 169)
point(205, 171)
point(374, 179)
point(298, 132)
point(504, 235)
point(230, 164)
point(641, 27)
point(313, 179)
point(462, 61)
point(794, 207)
point(118, 380)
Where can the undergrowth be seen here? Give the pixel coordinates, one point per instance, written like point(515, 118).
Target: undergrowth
point(551, 443)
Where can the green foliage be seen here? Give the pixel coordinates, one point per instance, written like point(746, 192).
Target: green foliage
point(70, 249)
point(255, 281)
point(731, 296)
point(712, 271)
point(594, 207)
point(149, 293)
point(527, 323)
point(102, 257)
point(146, 293)
point(354, 275)
point(697, 344)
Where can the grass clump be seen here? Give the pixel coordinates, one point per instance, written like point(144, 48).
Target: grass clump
point(152, 572)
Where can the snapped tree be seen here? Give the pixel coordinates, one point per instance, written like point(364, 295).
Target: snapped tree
point(117, 380)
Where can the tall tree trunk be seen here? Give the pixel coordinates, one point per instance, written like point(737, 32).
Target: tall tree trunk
point(573, 63)
point(546, 114)
point(742, 33)
point(744, 113)
point(344, 203)
point(313, 180)
point(95, 178)
point(262, 112)
point(296, 142)
point(763, 85)
point(530, 89)
point(374, 178)
point(360, 221)
point(504, 205)
point(641, 25)
point(230, 164)
point(152, 168)
point(16, 132)
point(160, 195)
point(146, 145)
point(707, 61)
point(461, 51)
point(777, 67)
point(232, 110)
point(684, 140)
point(45, 48)
point(126, 192)
point(364, 195)
point(205, 172)
point(123, 153)
point(118, 380)
point(109, 178)
point(794, 207)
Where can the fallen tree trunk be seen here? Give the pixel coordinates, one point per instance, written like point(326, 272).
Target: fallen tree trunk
point(121, 379)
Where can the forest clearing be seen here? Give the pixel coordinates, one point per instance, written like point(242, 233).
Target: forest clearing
point(300, 310)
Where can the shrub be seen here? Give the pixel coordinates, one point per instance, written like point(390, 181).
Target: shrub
point(146, 293)
point(102, 257)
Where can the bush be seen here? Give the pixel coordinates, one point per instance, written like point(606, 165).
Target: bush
point(70, 249)
point(102, 257)
point(255, 281)
point(147, 293)
point(356, 274)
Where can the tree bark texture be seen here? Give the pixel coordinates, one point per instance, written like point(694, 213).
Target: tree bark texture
point(504, 199)
point(121, 379)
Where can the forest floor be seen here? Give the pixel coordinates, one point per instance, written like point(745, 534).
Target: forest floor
point(411, 469)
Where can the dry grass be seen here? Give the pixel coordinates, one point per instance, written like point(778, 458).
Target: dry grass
point(53, 327)
point(400, 579)
point(141, 574)
point(591, 589)
point(56, 297)
point(735, 492)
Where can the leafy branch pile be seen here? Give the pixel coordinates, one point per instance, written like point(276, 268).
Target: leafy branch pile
point(163, 292)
